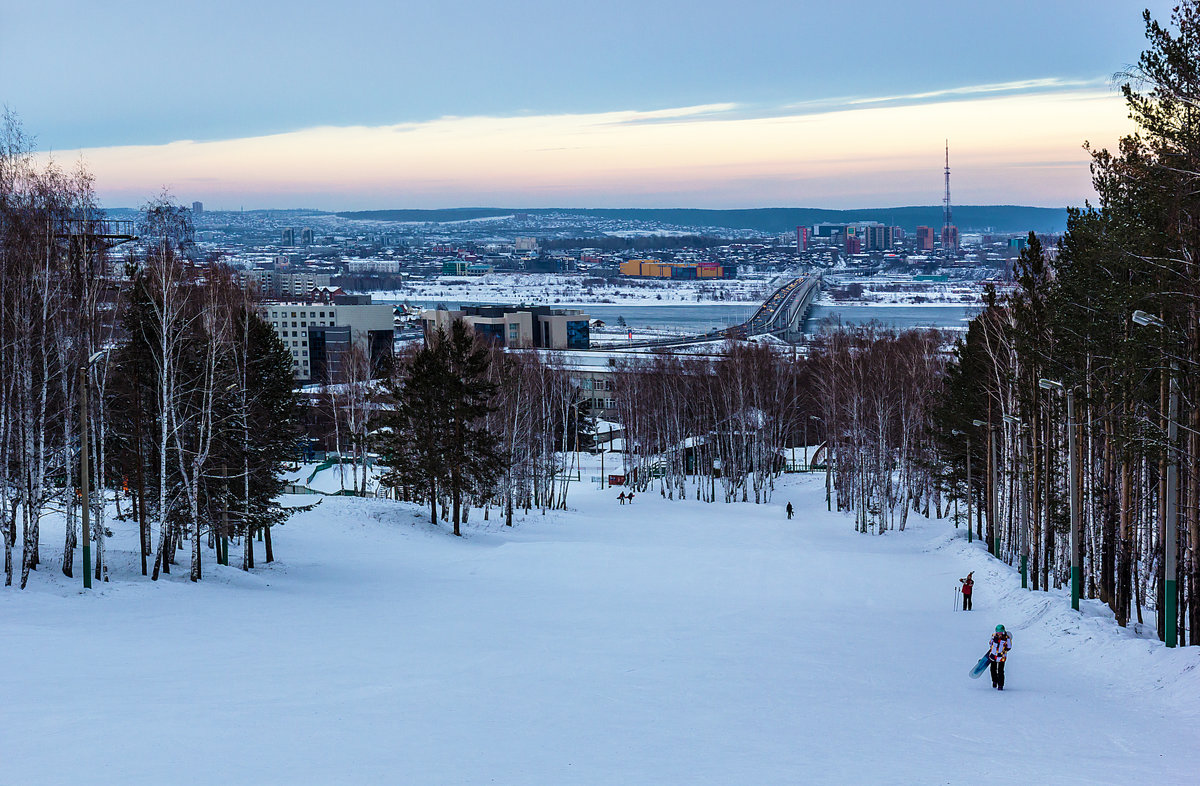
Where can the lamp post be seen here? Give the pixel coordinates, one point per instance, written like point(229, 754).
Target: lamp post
point(1073, 462)
point(807, 467)
point(84, 462)
point(1022, 501)
point(992, 468)
point(1170, 524)
point(970, 538)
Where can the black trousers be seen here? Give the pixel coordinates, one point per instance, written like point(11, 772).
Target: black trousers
point(966, 602)
point(998, 673)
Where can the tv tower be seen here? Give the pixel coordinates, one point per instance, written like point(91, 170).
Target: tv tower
point(947, 224)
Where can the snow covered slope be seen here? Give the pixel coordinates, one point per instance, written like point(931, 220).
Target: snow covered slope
point(666, 642)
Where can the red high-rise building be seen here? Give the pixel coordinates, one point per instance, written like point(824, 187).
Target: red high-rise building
point(949, 238)
point(925, 238)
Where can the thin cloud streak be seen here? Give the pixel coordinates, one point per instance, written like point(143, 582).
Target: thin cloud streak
point(1005, 148)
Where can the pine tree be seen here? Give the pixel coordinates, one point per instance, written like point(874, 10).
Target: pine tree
point(439, 444)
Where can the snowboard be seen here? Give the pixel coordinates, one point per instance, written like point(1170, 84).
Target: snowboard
point(980, 667)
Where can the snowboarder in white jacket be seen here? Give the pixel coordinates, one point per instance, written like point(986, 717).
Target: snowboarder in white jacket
point(998, 649)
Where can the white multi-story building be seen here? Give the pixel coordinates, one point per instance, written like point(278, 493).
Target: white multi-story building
point(318, 334)
point(373, 266)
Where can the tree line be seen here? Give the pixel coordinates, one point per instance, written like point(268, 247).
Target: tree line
point(159, 364)
point(1108, 324)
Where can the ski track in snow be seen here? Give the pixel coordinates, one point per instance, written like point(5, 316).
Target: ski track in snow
point(666, 642)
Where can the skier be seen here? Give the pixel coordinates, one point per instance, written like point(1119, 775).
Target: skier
point(631, 498)
point(998, 649)
point(789, 511)
point(968, 586)
point(621, 497)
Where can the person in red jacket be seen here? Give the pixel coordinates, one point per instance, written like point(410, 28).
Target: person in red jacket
point(968, 586)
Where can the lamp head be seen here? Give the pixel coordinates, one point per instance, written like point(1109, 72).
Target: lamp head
point(1148, 320)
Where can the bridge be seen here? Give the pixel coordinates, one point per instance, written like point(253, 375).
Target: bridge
point(782, 315)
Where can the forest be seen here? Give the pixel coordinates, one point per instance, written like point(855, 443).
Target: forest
point(146, 378)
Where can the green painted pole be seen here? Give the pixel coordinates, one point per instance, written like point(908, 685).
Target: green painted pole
point(84, 480)
point(1076, 551)
point(970, 523)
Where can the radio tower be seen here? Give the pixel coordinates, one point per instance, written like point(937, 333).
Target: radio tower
point(946, 220)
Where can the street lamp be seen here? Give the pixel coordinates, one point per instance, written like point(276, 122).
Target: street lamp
point(1022, 505)
point(84, 461)
point(993, 468)
point(970, 538)
point(1170, 523)
point(1076, 553)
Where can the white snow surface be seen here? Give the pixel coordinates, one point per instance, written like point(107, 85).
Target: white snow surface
point(663, 642)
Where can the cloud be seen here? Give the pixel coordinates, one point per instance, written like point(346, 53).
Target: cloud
point(1010, 142)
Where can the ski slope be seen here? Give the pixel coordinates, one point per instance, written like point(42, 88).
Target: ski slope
point(663, 642)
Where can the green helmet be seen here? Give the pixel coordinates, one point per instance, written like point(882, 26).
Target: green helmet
point(999, 628)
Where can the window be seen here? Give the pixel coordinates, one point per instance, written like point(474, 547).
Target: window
point(304, 353)
point(303, 324)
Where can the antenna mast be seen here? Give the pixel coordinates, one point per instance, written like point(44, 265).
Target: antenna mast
point(946, 218)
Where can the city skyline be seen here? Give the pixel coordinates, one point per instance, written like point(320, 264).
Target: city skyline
point(644, 106)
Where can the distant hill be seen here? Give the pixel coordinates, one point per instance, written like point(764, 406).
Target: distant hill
point(999, 218)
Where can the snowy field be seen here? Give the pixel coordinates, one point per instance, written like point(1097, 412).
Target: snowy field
point(568, 289)
point(667, 642)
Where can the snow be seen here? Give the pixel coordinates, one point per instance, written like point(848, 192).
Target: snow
point(663, 642)
point(324, 478)
point(570, 290)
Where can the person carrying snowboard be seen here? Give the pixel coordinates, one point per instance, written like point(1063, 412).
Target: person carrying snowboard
point(621, 497)
point(789, 511)
point(968, 586)
point(998, 649)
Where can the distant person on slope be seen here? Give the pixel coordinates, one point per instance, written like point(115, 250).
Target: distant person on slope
point(998, 653)
point(631, 498)
point(789, 510)
point(621, 497)
point(968, 586)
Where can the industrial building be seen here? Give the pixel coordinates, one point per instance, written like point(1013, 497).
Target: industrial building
point(685, 271)
point(516, 326)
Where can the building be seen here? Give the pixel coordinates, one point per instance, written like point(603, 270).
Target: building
point(853, 243)
point(197, 208)
point(306, 237)
point(516, 326)
point(319, 335)
point(284, 284)
point(526, 244)
point(459, 267)
point(878, 237)
point(801, 238)
point(949, 238)
point(289, 237)
point(925, 238)
point(652, 268)
point(373, 266)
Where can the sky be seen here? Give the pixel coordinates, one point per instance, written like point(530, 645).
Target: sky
point(532, 103)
